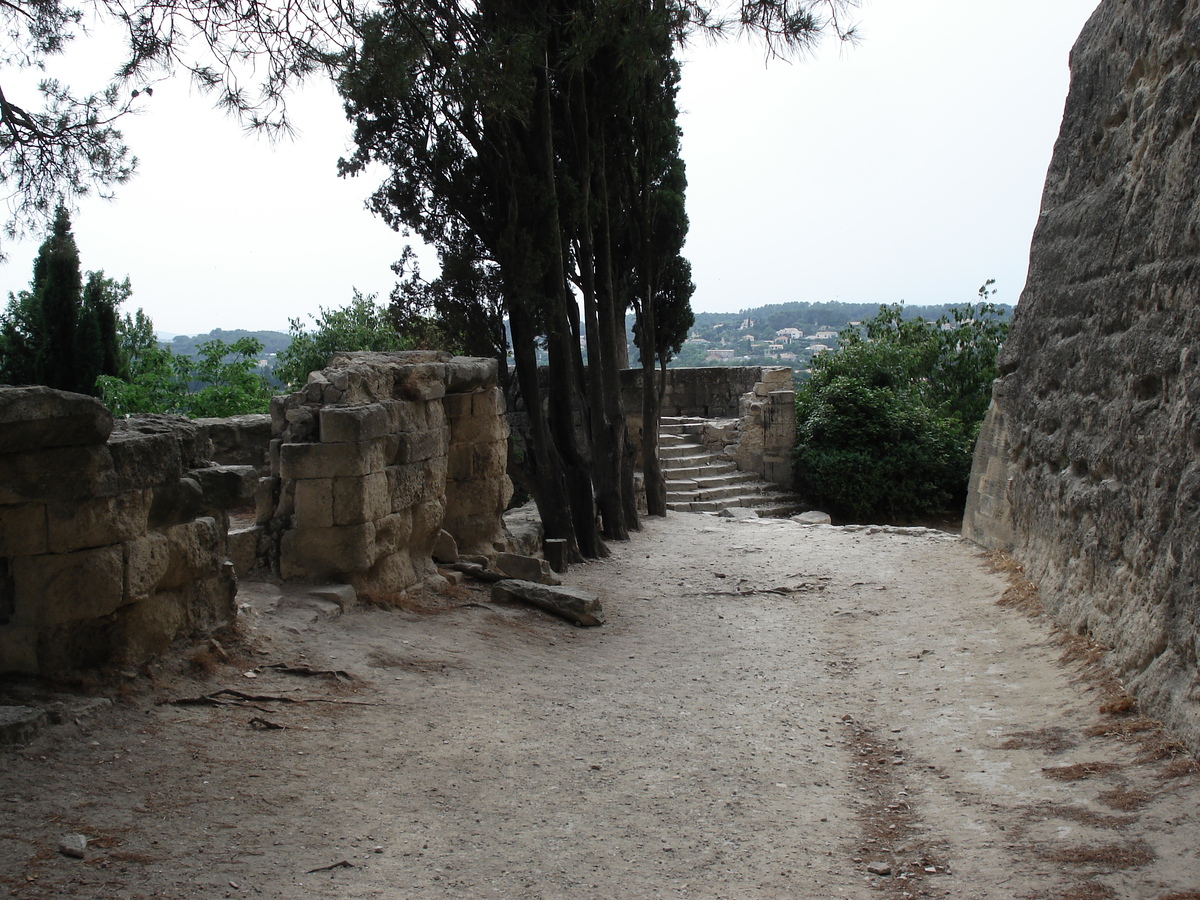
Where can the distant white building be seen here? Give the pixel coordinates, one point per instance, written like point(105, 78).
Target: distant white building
point(825, 335)
point(787, 335)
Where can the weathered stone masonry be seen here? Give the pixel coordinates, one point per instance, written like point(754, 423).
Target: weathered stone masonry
point(377, 455)
point(1088, 467)
point(112, 539)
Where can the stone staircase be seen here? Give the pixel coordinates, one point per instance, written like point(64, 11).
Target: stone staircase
point(698, 480)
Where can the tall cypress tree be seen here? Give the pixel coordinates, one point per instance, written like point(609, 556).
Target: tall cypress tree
point(58, 294)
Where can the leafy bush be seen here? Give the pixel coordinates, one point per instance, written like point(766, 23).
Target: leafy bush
point(362, 325)
point(222, 381)
point(886, 424)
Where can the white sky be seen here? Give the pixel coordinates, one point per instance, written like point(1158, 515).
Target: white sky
point(909, 167)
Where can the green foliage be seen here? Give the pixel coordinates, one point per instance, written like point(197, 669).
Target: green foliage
point(61, 332)
point(362, 325)
point(222, 381)
point(887, 423)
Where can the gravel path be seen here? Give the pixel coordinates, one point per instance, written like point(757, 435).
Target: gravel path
point(771, 711)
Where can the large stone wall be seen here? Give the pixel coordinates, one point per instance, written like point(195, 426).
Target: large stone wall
point(1088, 467)
point(113, 538)
point(374, 458)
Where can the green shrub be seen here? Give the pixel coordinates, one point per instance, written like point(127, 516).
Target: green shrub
point(886, 424)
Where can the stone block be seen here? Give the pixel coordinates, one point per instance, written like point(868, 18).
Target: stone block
point(61, 473)
point(342, 424)
point(419, 445)
point(343, 595)
point(20, 725)
point(419, 382)
point(327, 554)
point(469, 373)
point(147, 561)
point(331, 460)
point(392, 533)
point(314, 503)
point(266, 498)
point(194, 550)
point(526, 568)
point(405, 415)
point(426, 524)
point(23, 529)
point(387, 580)
point(243, 549)
point(95, 523)
point(191, 441)
point(457, 405)
point(18, 650)
point(488, 403)
point(358, 500)
point(478, 429)
point(144, 460)
point(278, 413)
point(571, 604)
point(226, 487)
point(435, 416)
point(239, 440)
point(56, 588)
point(460, 463)
point(176, 502)
point(445, 549)
point(38, 418)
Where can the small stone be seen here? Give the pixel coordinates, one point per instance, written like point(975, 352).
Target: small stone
point(813, 517)
point(879, 868)
point(73, 845)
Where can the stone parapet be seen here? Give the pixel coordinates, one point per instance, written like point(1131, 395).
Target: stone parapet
point(112, 535)
point(374, 457)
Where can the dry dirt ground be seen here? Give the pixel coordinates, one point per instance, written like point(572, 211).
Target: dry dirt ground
point(770, 711)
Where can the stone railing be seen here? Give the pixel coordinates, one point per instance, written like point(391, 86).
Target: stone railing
point(113, 539)
point(377, 455)
point(750, 413)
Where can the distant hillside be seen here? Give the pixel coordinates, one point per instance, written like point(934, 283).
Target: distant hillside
point(189, 345)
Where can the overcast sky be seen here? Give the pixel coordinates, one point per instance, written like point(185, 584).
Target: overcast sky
point(907, 168)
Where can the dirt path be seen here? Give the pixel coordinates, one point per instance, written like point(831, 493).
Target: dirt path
point(770, 711)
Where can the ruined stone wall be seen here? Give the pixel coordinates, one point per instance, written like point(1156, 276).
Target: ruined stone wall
point(751, 412)
point(1088, 467)
point(377, 455)
point(112, 538)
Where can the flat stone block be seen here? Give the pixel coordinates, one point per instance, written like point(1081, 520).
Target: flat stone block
point(470, 373)
point(226, 487)
point(342, 424)
point(405, 415)
point(314, 503)
point(526, 568)
point(358, 500)
point(37, 418)
point(571, 604)
point(420, 445)
point(61, 473)
point(147, 561)
point(96, 523)
point(23, 529)
point(21, 724)
point(56, 588)
point(331, 460)
point(478, 429)
point(324, 554)
point(243, 549)
point(343, 595)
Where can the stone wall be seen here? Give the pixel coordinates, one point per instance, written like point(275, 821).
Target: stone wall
point(751, 412)
point(377, 455)
point(1088, 467)
point(112, 537)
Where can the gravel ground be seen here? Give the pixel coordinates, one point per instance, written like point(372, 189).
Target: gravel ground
point(770, 711)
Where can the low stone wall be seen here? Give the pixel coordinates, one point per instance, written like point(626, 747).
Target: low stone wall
point(113, 538)
point(377, 455)
point(751, 412)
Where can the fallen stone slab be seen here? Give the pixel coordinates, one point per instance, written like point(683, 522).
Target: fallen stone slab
point(344, 595)
point(813, 517)
point(571, 604)
point(21, 724)
point(526, 568)
point(738, 512)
